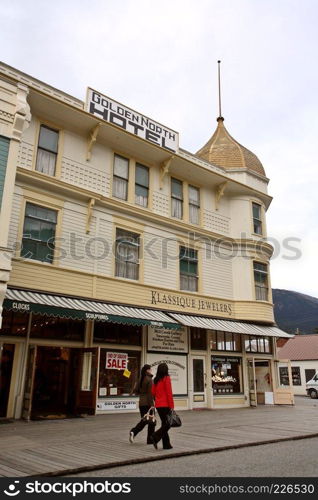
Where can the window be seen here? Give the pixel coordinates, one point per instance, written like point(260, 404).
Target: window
point(39, 233)
point(261, 281)
point(309, 374)
point(198, 339)
point(283, 375)
point(112, 382)
point(127, 254)
point(257, 219)
point(121, 175)
point(258, 344)
point(113, 333)
point(188, 269)
point(47, 150)
point(296, 375)
point(225, 341)
point(141, 185)
point(176, 199)
point(194, 205)
point(226, 375)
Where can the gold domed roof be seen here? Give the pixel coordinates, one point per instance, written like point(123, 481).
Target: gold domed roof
point(224, 151)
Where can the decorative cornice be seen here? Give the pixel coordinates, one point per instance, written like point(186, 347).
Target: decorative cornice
point(8, 116)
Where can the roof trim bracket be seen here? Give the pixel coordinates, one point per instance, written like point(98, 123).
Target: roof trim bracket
point(219, 193)
point(91, 140)
point(164, 169)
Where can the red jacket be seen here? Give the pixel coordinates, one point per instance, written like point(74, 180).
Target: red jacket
point(162, 392)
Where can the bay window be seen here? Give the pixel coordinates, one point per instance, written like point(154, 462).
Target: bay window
point(141, 185)
point(257, 218)
point(47, 150)
point(194, 205)
point(120, 178)
point(39, 233)
point(176, 198)
point(188, 269)
point(127, 254)
point(261, 281)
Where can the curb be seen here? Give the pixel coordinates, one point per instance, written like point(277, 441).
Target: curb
point(134, 461)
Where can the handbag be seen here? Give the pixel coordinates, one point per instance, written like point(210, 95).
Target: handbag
point(173, 419)
point(150, 416)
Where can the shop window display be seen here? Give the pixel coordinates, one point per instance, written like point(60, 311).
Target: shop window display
point(49, 327)
point(198, 339)
point(226, 375)
point(258, 344)
point(112, 333)
point(120, 380)
point(14, 323)
point(226, 341)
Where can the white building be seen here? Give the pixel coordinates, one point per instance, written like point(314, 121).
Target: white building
point(302, 350)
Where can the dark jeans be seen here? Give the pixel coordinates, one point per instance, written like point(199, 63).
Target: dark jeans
point(162, 433)
point(142, 423)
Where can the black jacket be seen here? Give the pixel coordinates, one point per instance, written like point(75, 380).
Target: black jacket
point(145, 394)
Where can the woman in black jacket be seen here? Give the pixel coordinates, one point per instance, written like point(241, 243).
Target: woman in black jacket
point(144, 389)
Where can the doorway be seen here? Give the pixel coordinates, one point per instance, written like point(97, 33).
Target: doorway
point(198, 370)
point(260, 382)
point(60, 382)
point(6, 364)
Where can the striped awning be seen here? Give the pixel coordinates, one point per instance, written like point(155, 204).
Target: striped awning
point(67, 307)
point(229, 326)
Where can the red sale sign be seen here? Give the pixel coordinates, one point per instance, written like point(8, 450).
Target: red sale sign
point(116, 361)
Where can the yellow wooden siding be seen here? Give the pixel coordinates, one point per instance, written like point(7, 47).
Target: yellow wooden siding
point(216, 276)
point(39, 276)
point(104, 246)
point(76, 254)
point(13, 237)
point(161, 265)
point(228, 401)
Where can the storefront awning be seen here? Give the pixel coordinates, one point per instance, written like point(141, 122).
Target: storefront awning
point(67, 307)
point(229, 326)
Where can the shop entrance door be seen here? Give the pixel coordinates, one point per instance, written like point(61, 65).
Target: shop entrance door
point(60, 382)
point(86, 365)
point(198, 370)
point(29, 383)
point(6, 363)
point(252, 381)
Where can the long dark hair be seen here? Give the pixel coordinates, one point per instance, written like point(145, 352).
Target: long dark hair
point(143, 373)
point(162, 371)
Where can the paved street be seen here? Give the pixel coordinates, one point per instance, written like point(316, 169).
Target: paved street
point(286, 459)
point(69, 446)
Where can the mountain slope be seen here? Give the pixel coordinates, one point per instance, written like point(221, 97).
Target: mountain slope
point(295, 310)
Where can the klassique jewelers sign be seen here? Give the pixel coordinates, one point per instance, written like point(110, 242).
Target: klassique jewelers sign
point(126, 118)
point(190, 302)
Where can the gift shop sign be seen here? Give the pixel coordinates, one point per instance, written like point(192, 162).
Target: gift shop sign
point(113, 112)
point(116, 361)
point(116, 405)
point(162, 339)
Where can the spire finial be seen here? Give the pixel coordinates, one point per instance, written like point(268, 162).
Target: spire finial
point(220, 117)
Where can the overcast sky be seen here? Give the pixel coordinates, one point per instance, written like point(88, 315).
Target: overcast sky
point(160, 59)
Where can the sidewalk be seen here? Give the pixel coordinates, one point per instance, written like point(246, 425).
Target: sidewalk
point(60, 447)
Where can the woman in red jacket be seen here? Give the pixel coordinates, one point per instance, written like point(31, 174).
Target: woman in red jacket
point(162, 393)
